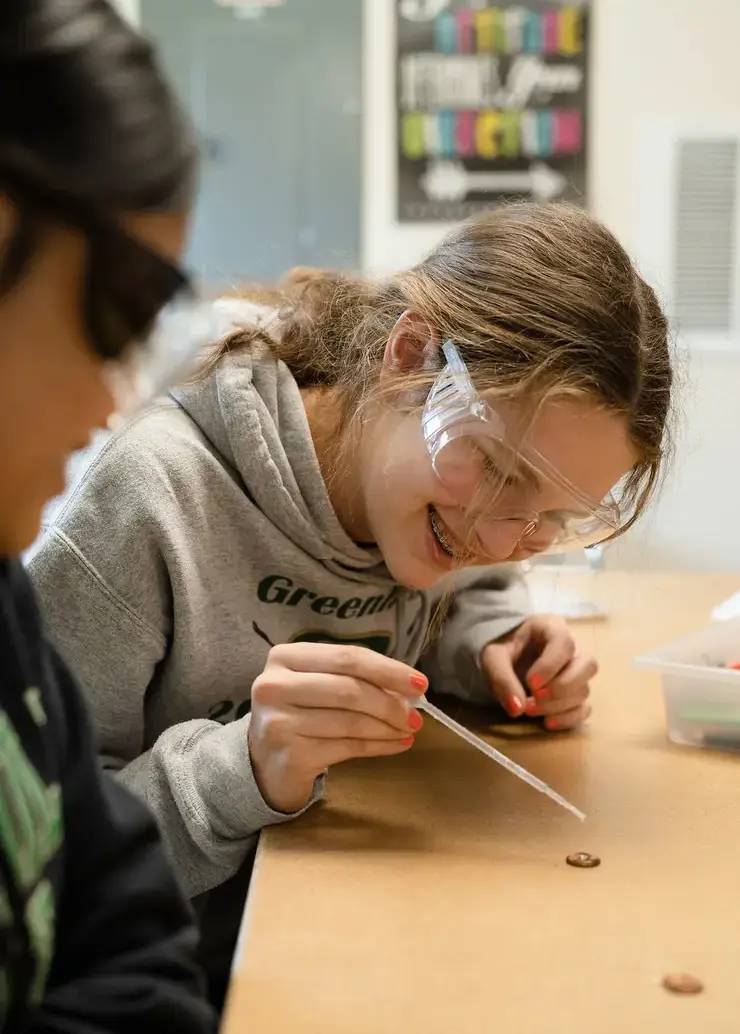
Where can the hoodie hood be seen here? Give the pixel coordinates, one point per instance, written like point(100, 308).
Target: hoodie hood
point(250, 409)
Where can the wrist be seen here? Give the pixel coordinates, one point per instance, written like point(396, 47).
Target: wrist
point(291, 799)
point(283, 790)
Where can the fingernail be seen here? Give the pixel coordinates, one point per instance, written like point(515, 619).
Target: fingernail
point(420, 682)
point(536, 682)
point(542, 694)
point(514, 706)
point(531, 707)
point(553, 724)
point(415, 720)
point(407, 742)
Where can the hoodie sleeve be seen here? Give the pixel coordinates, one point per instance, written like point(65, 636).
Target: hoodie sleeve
point(106, 600)
point(477, 607)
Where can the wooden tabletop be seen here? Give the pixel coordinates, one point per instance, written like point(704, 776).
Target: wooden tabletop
point(430, 893)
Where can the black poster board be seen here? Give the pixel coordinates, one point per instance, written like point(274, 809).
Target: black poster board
point(492, 105)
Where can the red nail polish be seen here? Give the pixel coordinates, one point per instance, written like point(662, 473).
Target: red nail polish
point(407, 742)
point(415, 721)
point(420, 682)
point(552, 724)
point(542, 694)
point(536, 682)
point(531, 707)
point(514, 706)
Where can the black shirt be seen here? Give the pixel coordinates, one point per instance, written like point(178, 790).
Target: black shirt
point(94, 935)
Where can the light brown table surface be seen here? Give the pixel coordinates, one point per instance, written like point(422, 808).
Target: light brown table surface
point(431, 894)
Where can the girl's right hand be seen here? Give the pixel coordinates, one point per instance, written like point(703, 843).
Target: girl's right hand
point(317, 704)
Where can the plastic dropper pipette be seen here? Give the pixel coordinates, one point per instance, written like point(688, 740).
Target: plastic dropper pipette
point(422, 704)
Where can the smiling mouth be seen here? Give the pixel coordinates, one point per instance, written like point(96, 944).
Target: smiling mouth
point(443, 535)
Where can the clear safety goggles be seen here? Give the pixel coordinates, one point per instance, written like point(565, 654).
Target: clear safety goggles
point(501, 484)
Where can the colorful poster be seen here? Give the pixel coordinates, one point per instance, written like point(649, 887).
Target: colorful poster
point(492, 105)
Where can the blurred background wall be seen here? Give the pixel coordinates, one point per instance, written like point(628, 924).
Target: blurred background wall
point(313, 122)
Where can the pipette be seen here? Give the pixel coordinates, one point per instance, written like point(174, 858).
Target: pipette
point(422, 704)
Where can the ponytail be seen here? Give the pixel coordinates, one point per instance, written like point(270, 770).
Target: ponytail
point(331, 327)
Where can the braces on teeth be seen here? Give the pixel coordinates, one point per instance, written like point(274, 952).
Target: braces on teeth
point(440, 534)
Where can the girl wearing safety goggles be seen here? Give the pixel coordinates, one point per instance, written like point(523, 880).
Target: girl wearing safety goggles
point(276, 537)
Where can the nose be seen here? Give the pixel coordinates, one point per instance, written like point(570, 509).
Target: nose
point(500, 538)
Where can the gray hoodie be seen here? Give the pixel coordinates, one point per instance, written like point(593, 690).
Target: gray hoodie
point(199, 535)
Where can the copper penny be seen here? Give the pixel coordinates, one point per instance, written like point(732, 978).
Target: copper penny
point(682, 984)
point(582, 860)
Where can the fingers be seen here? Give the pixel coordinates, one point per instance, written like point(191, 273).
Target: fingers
point(535, 709)
point(582, 668)
point(317, 704)
point(498, 664)
point(355, 661)
point(325, 723)
point(334, 752)
point(558, 650)
point(281, 688)
point(550, 638)
point(566, 695)
point(568, 719)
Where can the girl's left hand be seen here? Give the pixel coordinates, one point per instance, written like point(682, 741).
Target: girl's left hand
point(541, 655)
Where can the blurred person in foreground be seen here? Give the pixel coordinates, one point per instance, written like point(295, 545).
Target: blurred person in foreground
point(96, 170)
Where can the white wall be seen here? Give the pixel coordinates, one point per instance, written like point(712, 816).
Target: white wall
point(683, 63)
point(651, 58)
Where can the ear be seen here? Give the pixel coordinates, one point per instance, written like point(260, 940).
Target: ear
point(412, 345)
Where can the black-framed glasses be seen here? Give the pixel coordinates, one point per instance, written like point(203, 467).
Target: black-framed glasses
point(127, 286)
point(143, 317)
point(140, 311)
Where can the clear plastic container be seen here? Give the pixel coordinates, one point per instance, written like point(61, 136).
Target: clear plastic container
point(702, 692)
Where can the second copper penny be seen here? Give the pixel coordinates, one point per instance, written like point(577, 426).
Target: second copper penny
point(583, 860)
point(682, 984)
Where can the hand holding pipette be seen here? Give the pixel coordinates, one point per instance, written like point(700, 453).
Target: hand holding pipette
point(316, 705)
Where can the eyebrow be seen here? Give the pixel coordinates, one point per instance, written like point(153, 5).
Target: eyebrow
point(526, 472)
point(497, 454)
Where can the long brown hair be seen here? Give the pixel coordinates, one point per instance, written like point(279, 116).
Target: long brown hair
point(541, 300)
